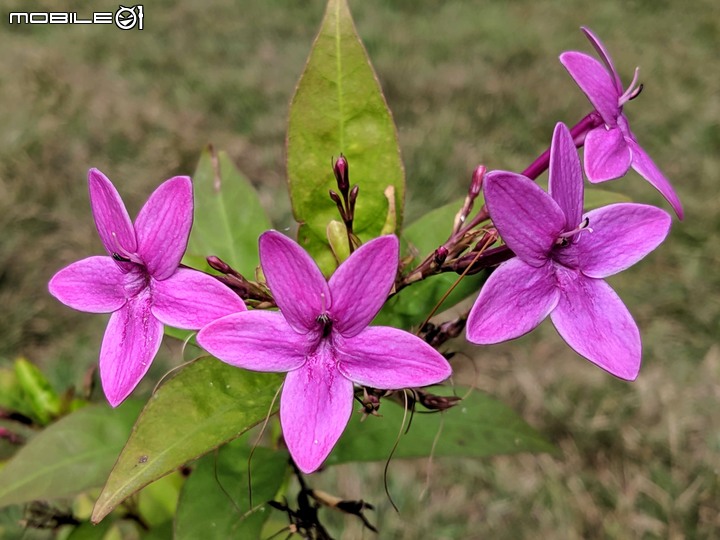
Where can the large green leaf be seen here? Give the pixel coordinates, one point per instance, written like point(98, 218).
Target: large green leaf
point(478, 426)
point(74, 454)
point(228, 215)
point(206, 404)
point(339, 107)
point(413, 304)
point(215, 501)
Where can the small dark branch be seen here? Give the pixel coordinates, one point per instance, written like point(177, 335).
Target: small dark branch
point(247, 290)
point(41, 515)
point(489, 259)
point(354, 508)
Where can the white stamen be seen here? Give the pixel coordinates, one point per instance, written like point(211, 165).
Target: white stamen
point(631, 91)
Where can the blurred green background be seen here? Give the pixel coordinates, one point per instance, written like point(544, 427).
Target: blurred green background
point(468, 83)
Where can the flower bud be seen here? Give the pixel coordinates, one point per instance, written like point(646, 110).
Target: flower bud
point(441, 254)
point(437, 403)
point(342, 174)
point(477, 181)
point(353, 198)
point(218, 264)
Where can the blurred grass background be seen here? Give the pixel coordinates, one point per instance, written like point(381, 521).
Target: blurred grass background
point(468, 82)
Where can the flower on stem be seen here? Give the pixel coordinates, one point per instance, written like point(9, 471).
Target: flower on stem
point(140, 282)
point(562, 260)
point(322, 339)
point(611, 149)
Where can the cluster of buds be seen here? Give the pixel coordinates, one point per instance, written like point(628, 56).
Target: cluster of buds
point(346, 200)
point(247, 290)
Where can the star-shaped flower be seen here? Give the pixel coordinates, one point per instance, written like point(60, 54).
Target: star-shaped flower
point(140, 282)
point(611, 149)
point(562, 260)
point(321, 338)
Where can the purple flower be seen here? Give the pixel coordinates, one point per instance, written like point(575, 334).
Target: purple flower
point(562, 260)
point(611, 149)
point(322, 339)
point(140, 283)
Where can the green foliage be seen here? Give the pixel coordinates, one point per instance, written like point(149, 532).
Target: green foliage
point(479, 426)
point(90, 531)
point(204, 405)
point(339, 107)
point(26, 390)
point(228, 215)
point(73, 454)
point(37, 393)
point(216, 500)
point(595, 198)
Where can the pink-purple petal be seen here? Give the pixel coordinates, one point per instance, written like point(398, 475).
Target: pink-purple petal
point(646, 167)
point(565, 184)
point(111, 217)
point(604, 56)
point(297, 285)
point(163, 226)
point(131, 341)
point(255, 340)
point(595, 82)
point(607, 154)
point(94, 285)
point(514, 300)
point(360, 286)
point(388, 358)
point(593, 320)
point(189, 299)
point(528, 219)
point(315, 407)
point(620, 235)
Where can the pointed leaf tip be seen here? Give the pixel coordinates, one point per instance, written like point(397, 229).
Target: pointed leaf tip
point(338, 107)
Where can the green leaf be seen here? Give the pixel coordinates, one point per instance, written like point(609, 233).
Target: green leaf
point(228, 216)
point(37, 393)
point(157, 502)
point(90, 531)
point(159, 532)
point(595, 198)
point(215, 501)
point(318, 248)
point(74, 454)
point(410, 307)
point(339, 107)
point(479, 426)
point(206, 404)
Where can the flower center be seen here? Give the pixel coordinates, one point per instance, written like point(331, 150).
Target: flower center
point(566, 238)
point(135, 281)
point(122, 255)
point(326, 322)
